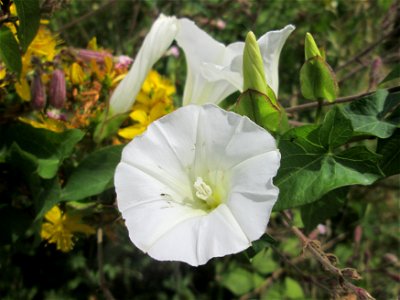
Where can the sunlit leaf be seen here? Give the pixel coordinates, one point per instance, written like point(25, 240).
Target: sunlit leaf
point(93, 175)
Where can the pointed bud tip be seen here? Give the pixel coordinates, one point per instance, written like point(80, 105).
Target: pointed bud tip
point(311, 48)
point(253, 67)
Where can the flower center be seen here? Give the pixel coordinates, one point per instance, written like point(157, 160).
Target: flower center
point(203, 190)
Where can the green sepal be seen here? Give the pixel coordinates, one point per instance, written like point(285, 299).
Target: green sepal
point(317, 80)
point(262, 110)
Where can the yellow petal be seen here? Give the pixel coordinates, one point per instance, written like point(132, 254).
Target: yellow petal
point(158, 111)
point(23, 90)
point(2, 73)
point(77, 75)
point(139, 116)
point(54, 215)
point(131, 131)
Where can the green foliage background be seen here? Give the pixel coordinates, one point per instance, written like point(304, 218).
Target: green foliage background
point(30, 269)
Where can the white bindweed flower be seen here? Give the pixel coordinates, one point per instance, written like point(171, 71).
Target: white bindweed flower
point(215, 70)
point(197, 184)
point(157, 41)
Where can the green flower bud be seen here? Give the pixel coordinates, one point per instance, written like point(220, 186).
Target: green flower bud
point(253, 67)
point(311, 48)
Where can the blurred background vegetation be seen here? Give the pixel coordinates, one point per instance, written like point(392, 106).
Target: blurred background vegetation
point(361, 41)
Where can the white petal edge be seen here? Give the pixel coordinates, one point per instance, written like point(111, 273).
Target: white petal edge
point(271, 44)
point(155, 44)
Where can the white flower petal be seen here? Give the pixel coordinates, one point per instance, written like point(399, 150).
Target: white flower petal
point(157, 41)
point(201, 49)
point(271, 45)
point(160, 173)
point(197, 240)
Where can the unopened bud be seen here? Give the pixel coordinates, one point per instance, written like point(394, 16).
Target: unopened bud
point(57, 93)
point(253, 67)
point(89, 55)
point(311, 48)
point(38, 92)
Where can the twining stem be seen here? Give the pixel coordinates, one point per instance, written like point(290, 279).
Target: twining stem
point(313, 105)
point(315, 249)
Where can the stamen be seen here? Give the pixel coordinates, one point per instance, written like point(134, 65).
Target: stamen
point(203, 191)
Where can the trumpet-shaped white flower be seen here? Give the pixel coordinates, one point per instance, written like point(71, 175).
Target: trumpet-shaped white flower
point(197, 184)
point(215, 70)
point(157, 41)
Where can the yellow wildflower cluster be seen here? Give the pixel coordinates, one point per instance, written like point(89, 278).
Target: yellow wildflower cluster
point(60, 227)
point(153, 102)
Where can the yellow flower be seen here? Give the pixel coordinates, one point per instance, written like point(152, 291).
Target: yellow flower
point(76, 74)
point(155, 89)
point(153, 102)
point(44, 44)
point(60, 227)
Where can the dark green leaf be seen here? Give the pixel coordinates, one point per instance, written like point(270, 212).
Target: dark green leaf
point(376, 114)
point(44, 148)
point(94, 174)
point(9, 50)
point(309, 170)
point(317, 80)
point(319, 211)
point(29, 20)
point(335, 130)
point(390, 151)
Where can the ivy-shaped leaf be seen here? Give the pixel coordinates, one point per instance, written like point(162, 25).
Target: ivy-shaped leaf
point(312, 166)
point(28, 12)
point(376, 114)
